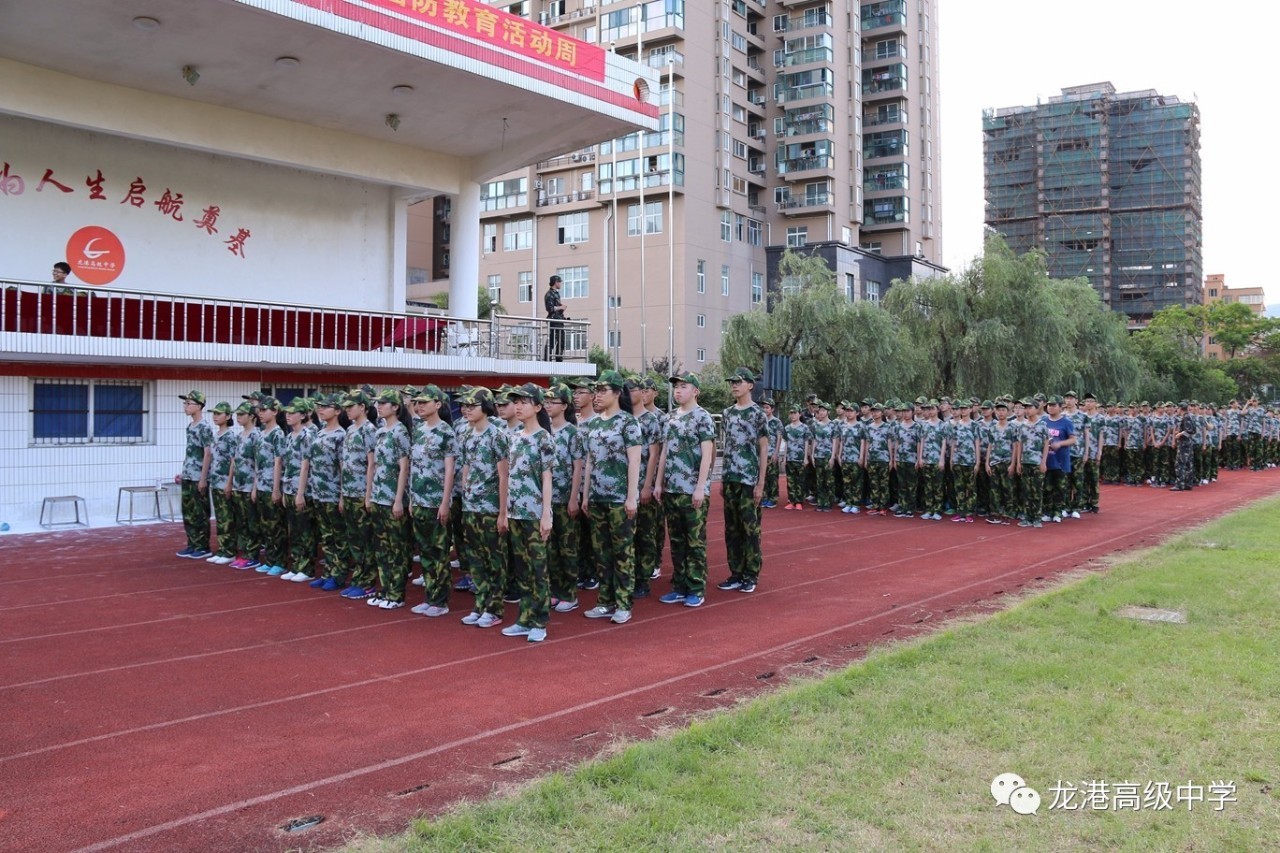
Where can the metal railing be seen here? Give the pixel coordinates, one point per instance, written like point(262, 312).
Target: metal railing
point(112, 316)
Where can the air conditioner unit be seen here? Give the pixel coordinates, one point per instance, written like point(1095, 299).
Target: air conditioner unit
point(575, 157)
point(537, 185)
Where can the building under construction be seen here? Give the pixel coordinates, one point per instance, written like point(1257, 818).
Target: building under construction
point(1108, 185)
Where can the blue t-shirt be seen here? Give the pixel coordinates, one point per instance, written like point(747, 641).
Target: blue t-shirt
point(1059, 430)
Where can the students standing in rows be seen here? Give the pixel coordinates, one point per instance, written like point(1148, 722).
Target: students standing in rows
point(484, 456)
point(649, 513)
point(684, 487)
point(357, 468)
point(773, 427)
point(530, 465)
point(746, 455)
point(268, 498)
point(566, 500)
point(297, 517)
point(195, 478)
point(795, 436)
point(221, 454)
point(319, 486)
point(432, 467)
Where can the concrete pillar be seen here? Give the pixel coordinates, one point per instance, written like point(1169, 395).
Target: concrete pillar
point(464, 252)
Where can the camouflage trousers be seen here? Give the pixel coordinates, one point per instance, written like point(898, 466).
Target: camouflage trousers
point(982, 491)
point(1212, 455)
point(1231, 454)
point(1253, 451)
point(244, 525)
point(195, 515)
point(965, 482)
point(931, 488)
point(771, 481)
point(878, 485)
point(272, 530)
point(390, 538)
point(455, 533)
point(562, 554)
point(742, 530)
point(649, 529)
point(1032, 492)
point(486, 559)
point(1131, 461)
point(326, 521)
point(1109, 468)
point(907, 477)
point(824, 484)
point(613, 538)
point(1055, 492)
point(1002, 491)
point(432, 541)
point(529, 572)
point(1163, 467)
point(855, 483)
point(225, 514)
point(1089, 486)
point(586, 562)
point(687, 529)
point(1074, 501)
point(795, 483)
point(302, 536)
point(357, 556)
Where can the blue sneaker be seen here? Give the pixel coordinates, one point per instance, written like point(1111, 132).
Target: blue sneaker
point(200, 554)
point(356, 592)
point(319, 582)
point(330, 585)
point(673, 598)
point(185, 553)
point(693, 600)
point(252, 564)
point(263, 568)
point(275, 571)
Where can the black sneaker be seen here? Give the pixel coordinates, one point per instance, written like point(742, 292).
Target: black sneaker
point(731, 583)
point(640, 593)
point(747, 586)
point(589, 583)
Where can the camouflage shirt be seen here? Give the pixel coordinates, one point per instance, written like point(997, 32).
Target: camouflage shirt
point(530, 455)
point(743, 429)
point(224, 451)
point(199, 436)
point(296, 446)
point(934, 435)
point(1002, 439)
point(1161, 427)
point(1231, 422)
point(686, 431)
point(480, 453)
point(355, 459)
point(432, 445)
point(390, 445)
point(1033, 437)
point(325, 458)
point(245, 459)
point(1131, 430)
point(773, 428)
point(878, 436)
point(270, 448)
point(963, 434)
point(568, 451)
point(607, 440)
point(851, 435)
point(797, 437)
point(1107, 428)
point(823, 436)
point(1080, 424)
point(651, 434)
point(907, 436)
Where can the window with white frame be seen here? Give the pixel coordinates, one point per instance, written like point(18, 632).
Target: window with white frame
point(525, 282)
point(573, 282)
point(495, 288)
point(851, 287)
point(652, 218)
point(757, 288)
point(575, 340)
point(702, 276)
point(615, 338)
point(755, 232)
point(701, 355)
point(724, 279)
point(701, 321)
point(90, 411)
point(572, 228)
point(490, 241)
point(797, 236)
point(726, 226)
point(872, 289)
point(517, 234)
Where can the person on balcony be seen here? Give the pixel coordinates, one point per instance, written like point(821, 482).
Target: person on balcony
point(555, 313)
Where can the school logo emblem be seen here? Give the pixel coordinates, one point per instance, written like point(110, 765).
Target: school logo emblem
point(96, 255)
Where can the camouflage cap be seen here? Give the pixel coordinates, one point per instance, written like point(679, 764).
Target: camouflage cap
point(845, 404)
point(877, 407)
point(1071, 394)
point(409, 391)
point(689, 378)
point(296, 407)
point(743, 374)
point(1088, 396)
point(223, 408)
point(648, 383)
point(769, 401)
point(823, 404)
point(357, 397)
point(388, 395)
point(430, 393)
point(577, 383)
point(332, 401)
point(245, 408)
point(527, 391)
point(266, 401)
point(988, 404)
point(610, 379)
point(193, 396)
point(559, 392)
point(474, 396)
point(1055, 400)
point(253, 396)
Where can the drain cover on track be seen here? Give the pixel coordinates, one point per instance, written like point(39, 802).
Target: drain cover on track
point(1152, 614)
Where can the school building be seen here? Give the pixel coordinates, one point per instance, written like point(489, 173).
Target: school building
point(230, 182)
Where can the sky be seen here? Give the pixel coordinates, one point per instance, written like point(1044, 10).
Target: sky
point(1004, 53)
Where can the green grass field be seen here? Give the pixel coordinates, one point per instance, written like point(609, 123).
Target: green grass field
point(898, 752)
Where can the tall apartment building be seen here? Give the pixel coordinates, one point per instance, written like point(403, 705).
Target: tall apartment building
point(1216, 290)
point(1108, 184)
point(785, 123)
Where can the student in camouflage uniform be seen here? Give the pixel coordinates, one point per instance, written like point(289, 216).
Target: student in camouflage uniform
point(1092, 456)
point(357, 463)
point(388, 500)
point(484, 455)
point(773, 428)
point(611, 495)
point(933, 442)
point(530, 465)
point(1109, 438)
point(1251, 425)
point(1162, 428)
point(297, 516)
point(796, 434)
point(566, 500)
point(879, 443)
point(244, 474)
point(1231, 436)
point(584, 413)
point(1058, 459)
point(684, 487)
point(649, 515)
point(983, 418)
point(268, 498)
point(1001, 464)
point(822, 446)
point(221, 453)
point(963, 444)
point(1132, 438)
point(1033, 441)
point(742, 470)
point(432, 463)
point(1184, 465)
point(1075, 477)
point(195, 478)
point(319, 485)
point(1213, 442)
point(851, 451)
point(906, 461)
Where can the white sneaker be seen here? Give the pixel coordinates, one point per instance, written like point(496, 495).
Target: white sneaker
point(374, 601)
point(471, 618)
point(391, 605)
point(1075, 514)
point(436, 610)
point(454, 564)
point(287, 576)
point(488, 620)
point(516, 630)
point(419, 581)
point(1057, 519)
point(420, 609)
point(621, 617)
point(599, 613)
point(537, 635)
point(299, 577)
point(657, 573)
point(566, 606)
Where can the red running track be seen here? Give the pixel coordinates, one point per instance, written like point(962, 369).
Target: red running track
point(153, 703)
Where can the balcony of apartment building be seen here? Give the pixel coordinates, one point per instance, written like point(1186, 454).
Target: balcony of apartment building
point(627, 24)
point(816, 198)
point(884, 18)
point(574, 160)
point(887, 81)
point(650, 172)
point(804, 159)
point(754, 70)
point(817, 84)
point(665, 59)
point(501, 198)
point(557, 16)
point(108, 325)
point(820, 55)
point(886, 213)
point(884, 144)
point(809, 19)
point(818, 119)
point(885, 115)
point(892, 179)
